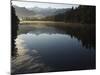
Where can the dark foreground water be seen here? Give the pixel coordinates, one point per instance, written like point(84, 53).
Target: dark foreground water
point(42, 48)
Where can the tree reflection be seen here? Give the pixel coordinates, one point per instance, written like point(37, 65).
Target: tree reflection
point(85, 33)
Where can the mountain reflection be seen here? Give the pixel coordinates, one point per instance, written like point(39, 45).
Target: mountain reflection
point(84, 33)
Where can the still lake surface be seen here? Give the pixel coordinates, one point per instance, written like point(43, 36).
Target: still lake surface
point(44, 48)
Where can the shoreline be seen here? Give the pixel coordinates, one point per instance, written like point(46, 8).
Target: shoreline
point(51, 23)
point(22, 22)
point(55, 23)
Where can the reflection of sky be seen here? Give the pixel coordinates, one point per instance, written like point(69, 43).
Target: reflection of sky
point(32, 57)
point(42, 5)
point(55, 48)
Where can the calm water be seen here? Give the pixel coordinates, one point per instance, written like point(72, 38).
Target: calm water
point(44, 48)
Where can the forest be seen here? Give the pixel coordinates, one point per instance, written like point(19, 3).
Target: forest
point(14, 28)
point(82, 14)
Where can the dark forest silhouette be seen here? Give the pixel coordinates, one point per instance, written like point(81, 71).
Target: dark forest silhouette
point(81, 14)
point(14, 28)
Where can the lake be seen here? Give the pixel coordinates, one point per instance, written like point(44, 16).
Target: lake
point(46, 48)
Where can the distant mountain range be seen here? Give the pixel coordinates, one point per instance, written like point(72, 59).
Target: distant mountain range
point(37, 12)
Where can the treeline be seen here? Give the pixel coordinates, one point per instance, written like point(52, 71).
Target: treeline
point(81, 14)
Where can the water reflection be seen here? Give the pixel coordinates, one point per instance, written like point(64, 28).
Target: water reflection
point(28, 59)
point(54, 48)
point(84, 33)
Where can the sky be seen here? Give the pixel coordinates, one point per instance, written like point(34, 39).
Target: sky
point(29, 4)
